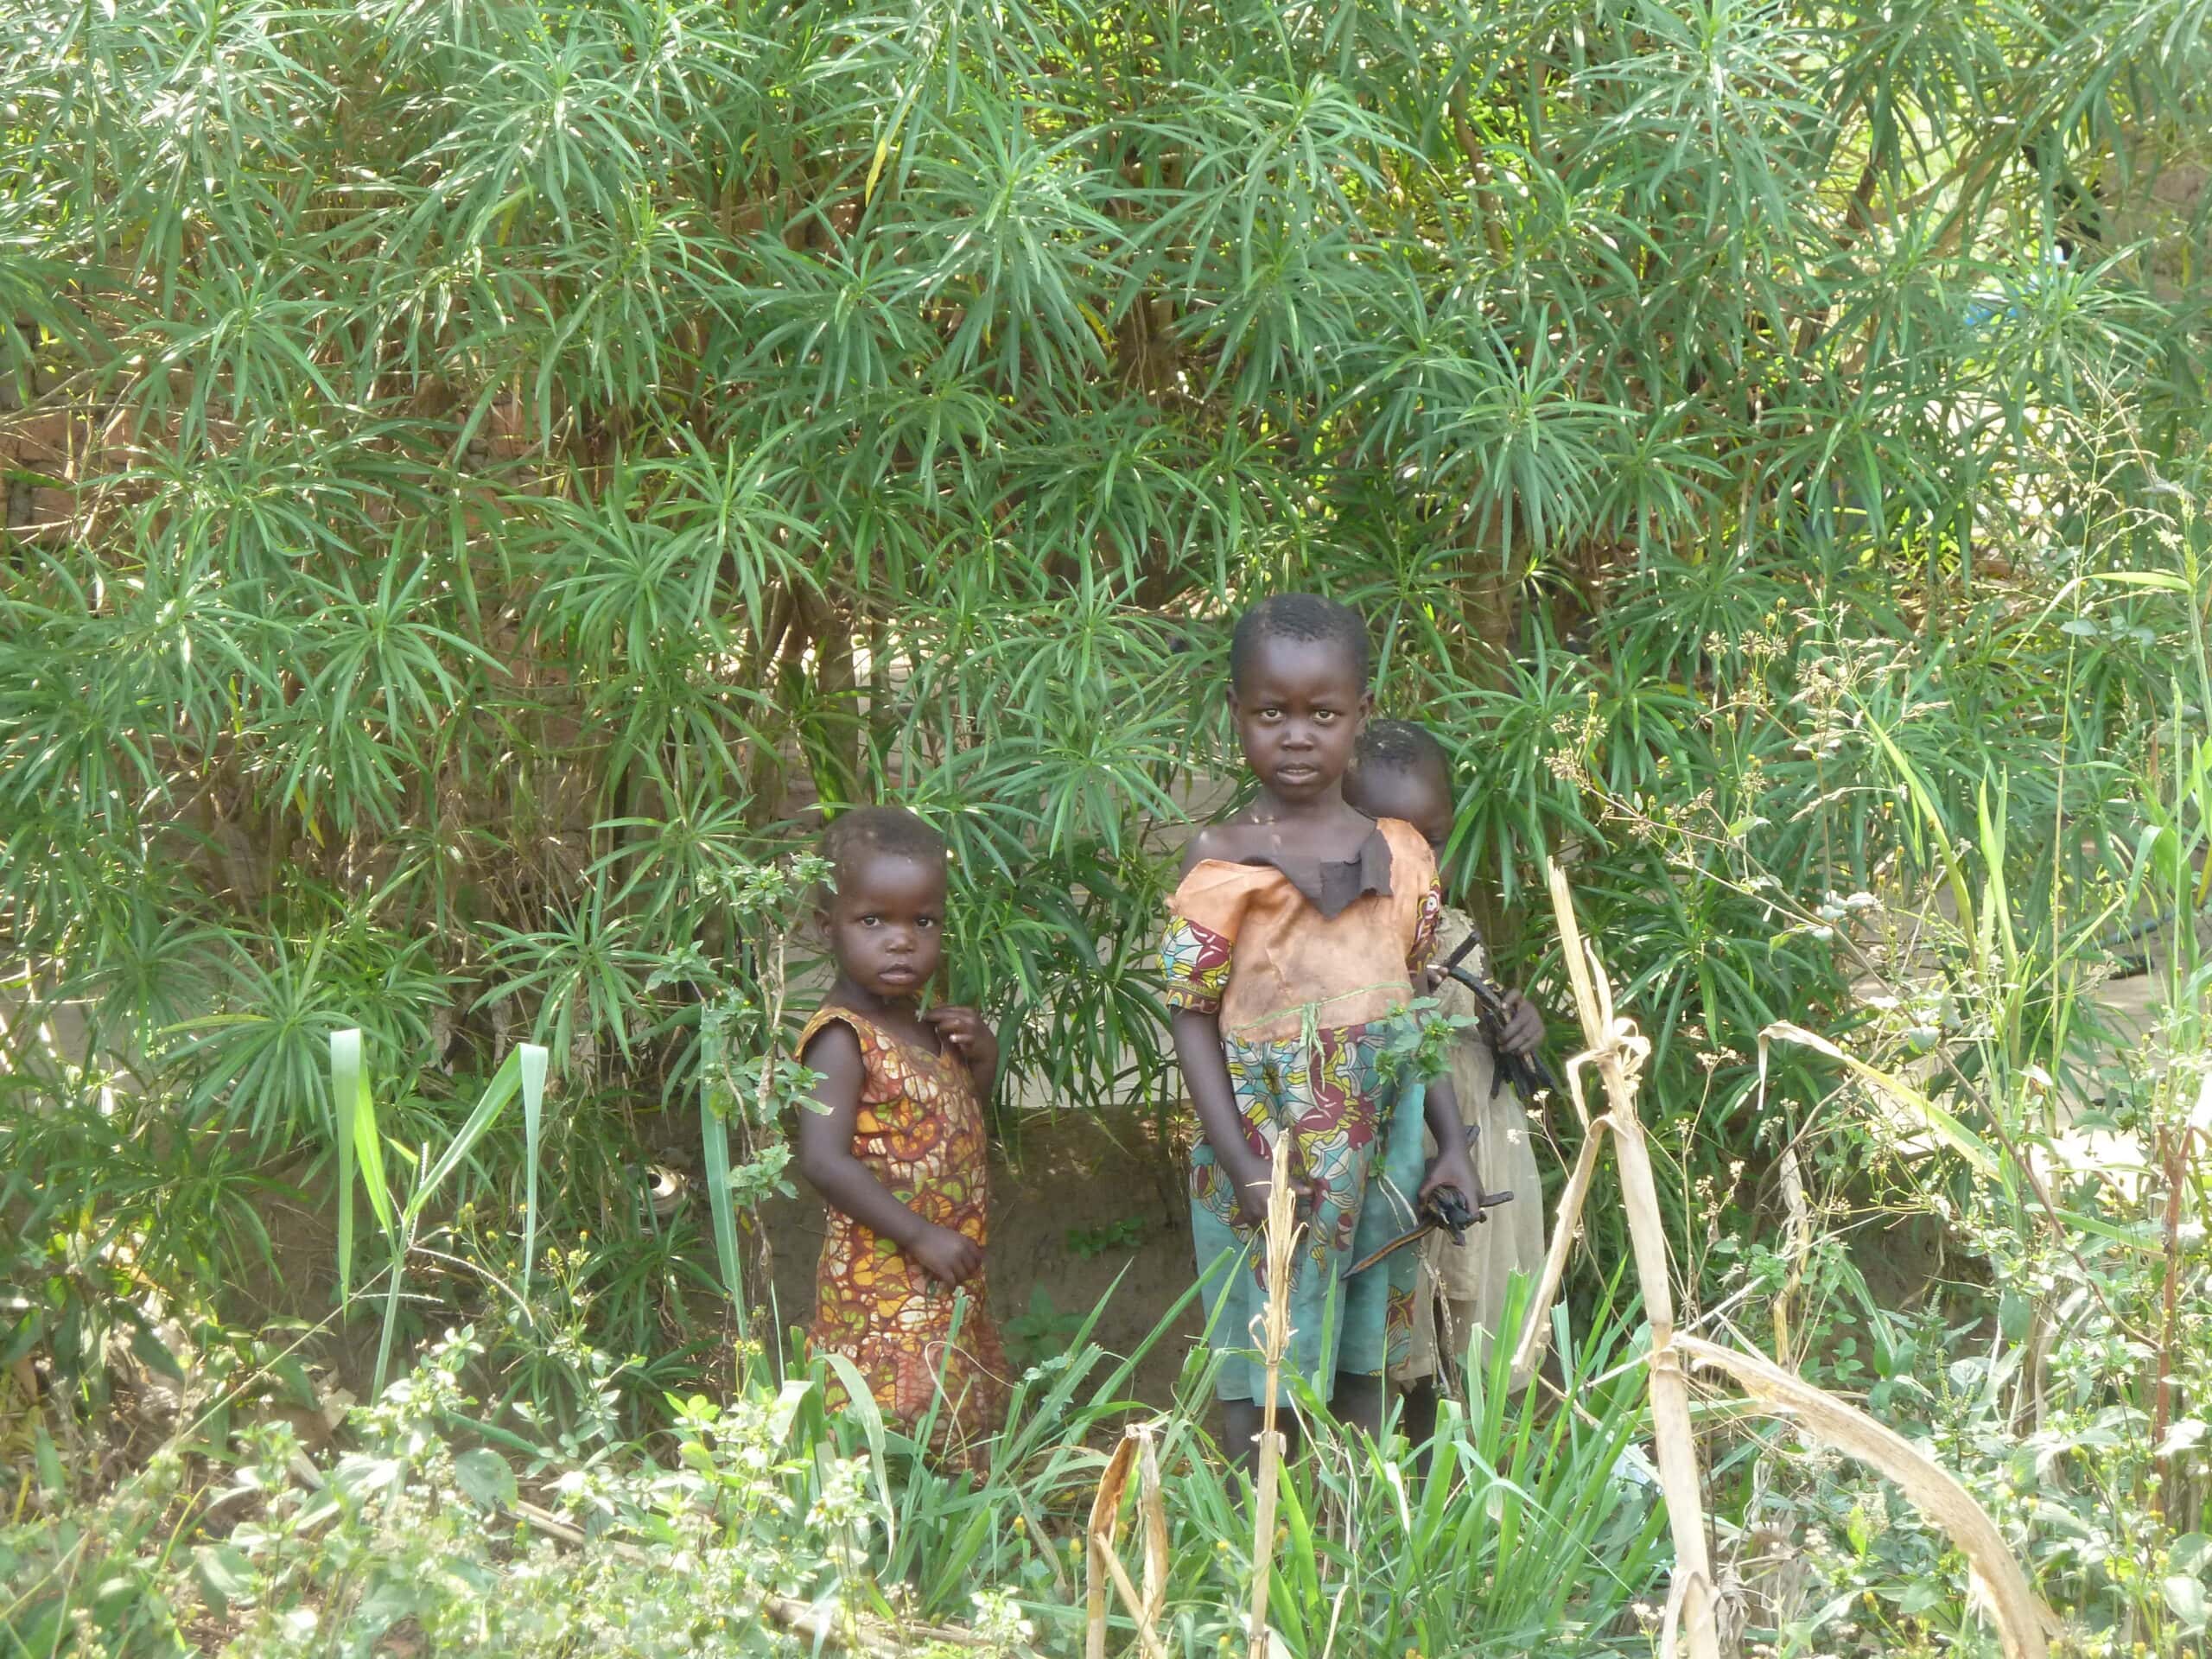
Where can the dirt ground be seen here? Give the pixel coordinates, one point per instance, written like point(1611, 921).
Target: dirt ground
point(1078, 1199)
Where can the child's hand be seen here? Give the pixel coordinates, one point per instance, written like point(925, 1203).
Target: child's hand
point(971, 1037)
point(1521, 1027)
point(1255, 1178)
point(1252, 1179)
point(948, 1255)
point(1453, 1167)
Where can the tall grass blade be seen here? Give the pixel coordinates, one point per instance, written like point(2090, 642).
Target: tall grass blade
point(714, 1139)
point(403, 1242)
point(525, 1059)
point(860, 1402)
point(344, 1085)
point(1943, 1124)
point(534, 1057)
point(359, 1146)
point(1931, 817)
point(505, 1082)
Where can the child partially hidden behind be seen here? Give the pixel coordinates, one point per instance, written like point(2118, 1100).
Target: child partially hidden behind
point(1293, 939)
point(1401, 771)
point(896, 1147)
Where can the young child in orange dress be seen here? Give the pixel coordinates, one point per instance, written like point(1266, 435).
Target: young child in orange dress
point(896, 1144)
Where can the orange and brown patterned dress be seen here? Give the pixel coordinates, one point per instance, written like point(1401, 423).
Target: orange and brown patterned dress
point(921, 1133)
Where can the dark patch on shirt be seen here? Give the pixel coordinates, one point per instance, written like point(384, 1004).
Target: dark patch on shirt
point(1333, 886)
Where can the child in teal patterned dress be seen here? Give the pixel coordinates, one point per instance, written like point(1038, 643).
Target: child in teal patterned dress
point(1292, 947)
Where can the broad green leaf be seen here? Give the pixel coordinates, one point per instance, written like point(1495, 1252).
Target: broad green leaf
point(226, 1575)
point(485, 1477)
point(2187, 1599)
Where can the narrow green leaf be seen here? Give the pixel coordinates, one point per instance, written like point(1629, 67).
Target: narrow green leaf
point(345, 1087)
point(534, 1057)
point(713, 1135)
point(49, 1463)
point(1924, 798)
point(359, 1146)
point(154, 1354)
point(497, 1093)
point(861, 1403)
point(401, 1243)
point(1946, 1126)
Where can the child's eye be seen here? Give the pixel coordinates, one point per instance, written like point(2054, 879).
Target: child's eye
point(926, 921)
point(1323, 716)
point(1271, 713)
point(870, 921)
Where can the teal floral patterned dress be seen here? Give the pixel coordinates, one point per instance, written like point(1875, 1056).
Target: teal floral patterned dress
point(1308, 969)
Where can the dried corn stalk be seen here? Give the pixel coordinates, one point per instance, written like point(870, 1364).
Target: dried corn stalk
point(1618, 1051)
point(2023, 1623)
point(1103, 1562)
point(1275, 1337)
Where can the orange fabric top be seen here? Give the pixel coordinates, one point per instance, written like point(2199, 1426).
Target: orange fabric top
point(1287, 957)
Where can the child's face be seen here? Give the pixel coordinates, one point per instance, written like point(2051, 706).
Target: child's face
point(886, 924)
point(1418, 797)
point(1298, 706)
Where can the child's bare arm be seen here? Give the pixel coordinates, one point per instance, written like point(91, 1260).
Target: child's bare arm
point(1454, 1164)
point(825, 1158)
point(1205, 1074)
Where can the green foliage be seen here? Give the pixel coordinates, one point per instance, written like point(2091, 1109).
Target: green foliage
point(1123, 1233)
point(1041, 1332)
point(419, 1523)
point(475, 477)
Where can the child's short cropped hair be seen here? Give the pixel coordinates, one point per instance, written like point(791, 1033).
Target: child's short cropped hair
point(1403, 748)
point(892, 831)
point(1303, 617)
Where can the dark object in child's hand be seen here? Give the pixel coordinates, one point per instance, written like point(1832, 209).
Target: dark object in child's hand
point(1448, 1210)
point(1530, 1073)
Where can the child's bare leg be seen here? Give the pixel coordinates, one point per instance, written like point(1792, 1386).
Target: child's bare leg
point(1358, 1403)
point(1242, 1421)
point(1240, 1425)
point(1419, 1421)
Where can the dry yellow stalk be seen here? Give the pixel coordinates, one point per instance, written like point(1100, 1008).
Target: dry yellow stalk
point(1103, 1563)
point(1618, 1050)
point(1275, 1337)
point(1152, 1508)
point(1570, 1215)
point(2023, 1623)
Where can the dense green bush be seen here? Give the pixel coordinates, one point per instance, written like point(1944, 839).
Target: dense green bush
point(476, 466)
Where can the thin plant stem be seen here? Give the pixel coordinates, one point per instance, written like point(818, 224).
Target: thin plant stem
point(1281, 1234)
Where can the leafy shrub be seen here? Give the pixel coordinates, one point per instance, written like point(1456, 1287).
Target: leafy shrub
point(765, 1511)
point(476, 479)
